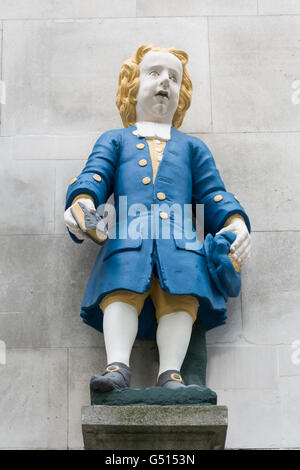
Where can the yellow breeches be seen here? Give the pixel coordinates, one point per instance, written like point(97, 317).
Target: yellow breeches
point(164, 303)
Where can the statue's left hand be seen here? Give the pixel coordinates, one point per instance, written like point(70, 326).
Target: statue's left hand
point(241, 247)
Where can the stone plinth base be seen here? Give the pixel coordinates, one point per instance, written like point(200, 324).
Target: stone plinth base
point(154, 427)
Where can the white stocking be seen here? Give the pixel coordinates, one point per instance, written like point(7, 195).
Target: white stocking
point(173, 337)
point(120, 325)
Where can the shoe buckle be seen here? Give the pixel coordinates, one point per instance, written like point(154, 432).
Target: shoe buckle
point(112, 368)
point(176, 377)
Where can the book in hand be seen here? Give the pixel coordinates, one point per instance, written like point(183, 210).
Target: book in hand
point(90, 224)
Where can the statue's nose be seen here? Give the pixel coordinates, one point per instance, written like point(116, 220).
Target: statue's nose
point(165, 81)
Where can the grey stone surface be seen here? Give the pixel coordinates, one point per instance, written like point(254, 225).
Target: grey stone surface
point(247, 367)
point(34, 395)
point(271, 296)
point(71, 9)
point(196, 8)
point(5, 152)
point(254, 418)
point(69, 85)
point(31, 187)
point(278, 7)
point(290, 409)
point(233, 327)
point(289, 359)
point(42, 284)
point(254, 61)
point(252, 167)
point(52, 147)
point(154, 427)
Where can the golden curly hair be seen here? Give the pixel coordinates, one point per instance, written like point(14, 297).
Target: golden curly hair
point(129, 82)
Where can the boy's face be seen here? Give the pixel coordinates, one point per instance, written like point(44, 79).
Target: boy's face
point(160, 82)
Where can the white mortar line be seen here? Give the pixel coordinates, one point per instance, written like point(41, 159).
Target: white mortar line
point(210, 79)
point(101, 18)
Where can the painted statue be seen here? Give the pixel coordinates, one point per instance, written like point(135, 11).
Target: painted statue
point(153, 277)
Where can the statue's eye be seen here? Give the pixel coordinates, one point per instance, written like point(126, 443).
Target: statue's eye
point(154, 73)
point(172, 77)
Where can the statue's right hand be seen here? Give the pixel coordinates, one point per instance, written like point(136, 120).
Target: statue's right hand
point(71, 222)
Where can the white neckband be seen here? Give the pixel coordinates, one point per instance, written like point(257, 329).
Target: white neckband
point(149, 129)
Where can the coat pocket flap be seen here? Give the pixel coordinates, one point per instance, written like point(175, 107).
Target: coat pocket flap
point(189, 245)
point(115, 245)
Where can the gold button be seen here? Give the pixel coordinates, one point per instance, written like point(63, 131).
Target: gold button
point(97, 177)
point(163, 215)
point(161, 196)
point(218, 198)
point(73, 180)
point(140, 146)
point(143, 162)
point(146, 180)
point(236, 198)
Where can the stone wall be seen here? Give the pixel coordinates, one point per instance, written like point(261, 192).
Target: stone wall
point(59, 66)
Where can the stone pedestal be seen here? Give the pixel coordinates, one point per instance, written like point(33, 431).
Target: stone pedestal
point(154, 427)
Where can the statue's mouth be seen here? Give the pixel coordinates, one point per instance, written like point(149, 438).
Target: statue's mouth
point(163, 93)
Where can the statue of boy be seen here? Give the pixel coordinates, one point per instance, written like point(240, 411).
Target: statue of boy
point(146, 283)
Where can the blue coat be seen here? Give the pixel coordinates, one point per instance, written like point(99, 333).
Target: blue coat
point(187, 174)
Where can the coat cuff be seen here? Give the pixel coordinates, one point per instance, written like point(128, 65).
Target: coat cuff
point(219, 207)
point(232, 217)
point(89, 184)
point(86, 196)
